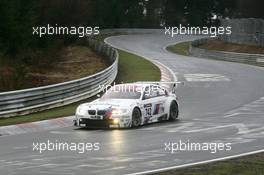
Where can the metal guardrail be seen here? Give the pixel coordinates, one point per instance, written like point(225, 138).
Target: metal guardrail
point(255, 59)
point(27, 101)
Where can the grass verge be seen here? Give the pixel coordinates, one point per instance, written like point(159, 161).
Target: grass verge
point(132, 68)
point(183, 49)
point(43, 115)
point(219, 45)
point(180, 48)
point(248, 165)
point(69, 63)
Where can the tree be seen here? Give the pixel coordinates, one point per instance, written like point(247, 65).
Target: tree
point(17, 19)
point(250, 9)
point(153, 13)
point(175, 12)
point(196, 13)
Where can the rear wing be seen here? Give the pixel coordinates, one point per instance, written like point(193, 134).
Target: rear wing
point(171, 86)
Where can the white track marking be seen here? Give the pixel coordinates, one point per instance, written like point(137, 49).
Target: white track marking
point(60, 132)
point(231, 115)
point(246, 131)
point(205, 77)
point(255, 107)
point(196, 163)
point(21, 147)
point(240, 126)
point(178, 129)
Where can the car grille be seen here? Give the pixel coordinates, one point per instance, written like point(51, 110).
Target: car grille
point(91, 112)
point(99, 112)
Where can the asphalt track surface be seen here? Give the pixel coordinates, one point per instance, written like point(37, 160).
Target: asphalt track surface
point(220, 102)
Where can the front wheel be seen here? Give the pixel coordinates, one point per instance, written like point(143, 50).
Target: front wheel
point(174, 111)
point(136, 118)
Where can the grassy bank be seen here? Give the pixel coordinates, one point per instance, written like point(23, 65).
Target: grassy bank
point(68, 63)
point(183, 49)
point(180, 48)
point(231, 47)
point(132, 68)
point(48, 114)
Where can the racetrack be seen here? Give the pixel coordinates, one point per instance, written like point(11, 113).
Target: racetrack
point(220, 102)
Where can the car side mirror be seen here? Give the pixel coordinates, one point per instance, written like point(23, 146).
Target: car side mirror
point(146, 96)
point(174, 87)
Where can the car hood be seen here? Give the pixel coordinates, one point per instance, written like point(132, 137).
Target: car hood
point(107, 103)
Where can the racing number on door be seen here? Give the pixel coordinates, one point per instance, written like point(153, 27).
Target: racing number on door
point(148, 109)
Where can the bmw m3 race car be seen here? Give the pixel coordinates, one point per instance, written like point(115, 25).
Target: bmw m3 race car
point(127, 106)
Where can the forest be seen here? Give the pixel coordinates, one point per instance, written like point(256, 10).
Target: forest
point(19, 48)
point(18, 16)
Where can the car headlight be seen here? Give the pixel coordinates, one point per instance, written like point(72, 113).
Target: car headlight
point(116, 121)
point(80, 111)
point(118, 111)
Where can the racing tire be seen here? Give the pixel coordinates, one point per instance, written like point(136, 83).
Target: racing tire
point(136, 118)
point(174, 111)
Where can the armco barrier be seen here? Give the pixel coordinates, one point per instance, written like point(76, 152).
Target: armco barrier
point(255, 59)
point(27, 101)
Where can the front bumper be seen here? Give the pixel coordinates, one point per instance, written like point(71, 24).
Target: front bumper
point(96, 123)
point(104, 123)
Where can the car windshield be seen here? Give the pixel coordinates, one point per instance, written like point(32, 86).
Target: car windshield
point(122, 94)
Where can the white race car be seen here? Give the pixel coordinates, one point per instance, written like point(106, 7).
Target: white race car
point(129, 105)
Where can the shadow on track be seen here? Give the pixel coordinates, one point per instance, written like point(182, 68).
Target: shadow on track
point(145, 126)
